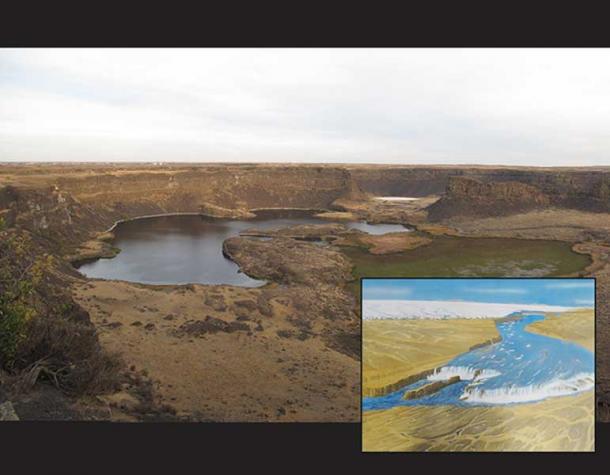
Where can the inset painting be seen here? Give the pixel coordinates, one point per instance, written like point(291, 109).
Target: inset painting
point(478, 365)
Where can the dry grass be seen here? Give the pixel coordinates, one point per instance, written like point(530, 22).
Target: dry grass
point(563, 224)
point(250, 374)
point(337, 215)
point(577, 326)
point(437, 229)
point(67, 353)
point(559, 424)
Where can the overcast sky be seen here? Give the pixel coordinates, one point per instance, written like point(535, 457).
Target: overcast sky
point(427, 106)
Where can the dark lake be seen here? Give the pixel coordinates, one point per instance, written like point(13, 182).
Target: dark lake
point(188, 248)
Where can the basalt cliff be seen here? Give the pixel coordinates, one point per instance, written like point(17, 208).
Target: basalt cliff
point(68, 202)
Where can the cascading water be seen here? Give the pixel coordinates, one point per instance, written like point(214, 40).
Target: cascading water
point(507, 395)
point(465, 373)
point(522, 367)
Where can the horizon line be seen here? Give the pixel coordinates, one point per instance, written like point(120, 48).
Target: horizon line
point(301, 163)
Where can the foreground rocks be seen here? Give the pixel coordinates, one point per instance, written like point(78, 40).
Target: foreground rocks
point(283, 352)
point(7, 412)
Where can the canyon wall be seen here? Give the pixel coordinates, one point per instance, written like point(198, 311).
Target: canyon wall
point(504, 194)
point(67, 204)
point(488, 191)
point(67, 208)
point(470, 197)
point(403, 181)
point(228, 186)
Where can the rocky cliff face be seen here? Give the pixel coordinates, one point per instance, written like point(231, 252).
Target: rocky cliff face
point(69, 208)
point(228, 186)
point(403, 181)
point(69, 204)
point(491, 195)
point(470, 197)
point(504, 190)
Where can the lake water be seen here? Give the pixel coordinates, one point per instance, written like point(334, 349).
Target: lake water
point(523, 367)
point(188, 248)
point(473, 257)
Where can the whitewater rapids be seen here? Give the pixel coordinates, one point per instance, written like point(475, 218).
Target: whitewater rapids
point(515, 394)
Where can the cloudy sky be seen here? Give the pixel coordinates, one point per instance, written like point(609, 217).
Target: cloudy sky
point(568, 292)
point(427, 106)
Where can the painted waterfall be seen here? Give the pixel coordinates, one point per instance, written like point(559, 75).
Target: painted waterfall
point(478, 364)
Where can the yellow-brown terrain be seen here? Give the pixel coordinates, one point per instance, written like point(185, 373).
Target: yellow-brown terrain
point(559, 424)
point(216, 357)
point(395, 350)
point(66, 209)
point(577, 327)
point(556, 424)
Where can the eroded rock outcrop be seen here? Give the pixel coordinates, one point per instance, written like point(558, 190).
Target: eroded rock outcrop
point(7, 412)
point(228, 213)
point(313, 280)
point(430, 388)
point(577, 188)
point(288, 261)
point(470, 197)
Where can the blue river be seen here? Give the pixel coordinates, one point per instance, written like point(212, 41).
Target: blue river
point(523, 367)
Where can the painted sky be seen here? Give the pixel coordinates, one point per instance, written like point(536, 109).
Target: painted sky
point(566, 292)
point(540, 107)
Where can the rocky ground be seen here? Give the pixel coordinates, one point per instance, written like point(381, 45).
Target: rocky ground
point(222, 353)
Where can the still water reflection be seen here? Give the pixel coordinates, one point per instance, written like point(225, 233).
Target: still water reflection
point(188, 248)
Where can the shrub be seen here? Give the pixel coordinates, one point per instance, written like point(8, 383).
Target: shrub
point(20, 273)
point(69, 355)
point(13, 320)
point(43, 332)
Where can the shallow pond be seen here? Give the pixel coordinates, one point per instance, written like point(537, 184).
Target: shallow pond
point(188, 248)
point(472, 257)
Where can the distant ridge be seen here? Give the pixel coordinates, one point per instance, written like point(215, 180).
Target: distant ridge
point(443, 309)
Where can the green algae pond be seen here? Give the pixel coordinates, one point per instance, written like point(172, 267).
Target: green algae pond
point(472, 257)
